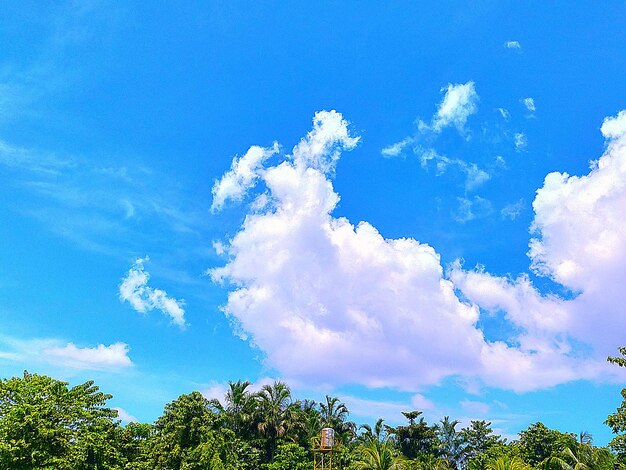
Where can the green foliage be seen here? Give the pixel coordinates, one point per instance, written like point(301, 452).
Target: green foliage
point(452, 444)
point(290, 456)
point(538, 442)
point(482, 445)
point(508, 463)
point(378, 455)
point(418, 439)
point(45, 424)
point(617, 421)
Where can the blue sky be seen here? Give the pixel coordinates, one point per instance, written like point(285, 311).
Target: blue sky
point(205, 192)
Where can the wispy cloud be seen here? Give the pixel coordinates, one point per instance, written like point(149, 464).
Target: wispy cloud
point(513, 45)
point(513, 210)
point(529, 104)
point(474, 176)
point(134, 289)
point(396, 149)
point(470, 209)
point(521, 141)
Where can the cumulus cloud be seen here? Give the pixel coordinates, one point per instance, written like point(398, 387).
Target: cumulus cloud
point(242, 175)
point(580, 236)
point(459, 102)
point(134, 289)
point(307, 287)
point(512, 45)
point(579, 242)
point(68, 355)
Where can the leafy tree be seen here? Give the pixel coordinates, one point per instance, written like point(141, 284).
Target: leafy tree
point(134, 442)
point(45, 424)
point(186, 423)
point(538, 442)
point(290, 456)
point(617, 421)
point(479, 440)
point(418, 439)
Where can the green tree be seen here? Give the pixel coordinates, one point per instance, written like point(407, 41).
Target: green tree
point(617, 421)
point(452, 445)
point(275, 415)
point(45, 424)
point(378, 455)
point(290, 456)
point(508, 463)
point(186, 423)
point(417, 440)
point(479, 441)
point(538, 442)
point(580, 456)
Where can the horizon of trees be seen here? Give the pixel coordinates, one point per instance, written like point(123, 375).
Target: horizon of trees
point(45, 424)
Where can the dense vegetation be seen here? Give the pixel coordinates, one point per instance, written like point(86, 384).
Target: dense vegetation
point(44, 424)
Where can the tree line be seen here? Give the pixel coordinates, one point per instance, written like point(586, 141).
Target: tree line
point(46, 424)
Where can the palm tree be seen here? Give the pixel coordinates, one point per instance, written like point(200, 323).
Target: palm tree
point(334, 415)
point(379, 455)
point(275, 413)
point(452, 442)
point(370, 434)
point(508, 463)
point(579, 456)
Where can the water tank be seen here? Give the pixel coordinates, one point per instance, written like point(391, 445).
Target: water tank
point(328, 438)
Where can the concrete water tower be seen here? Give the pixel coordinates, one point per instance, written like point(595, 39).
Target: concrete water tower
point(323, 455)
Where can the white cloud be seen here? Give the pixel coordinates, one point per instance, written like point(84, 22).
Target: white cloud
point(580, 242)
point(521, 142)
point(512, 45)
point(396, 149)
point(529, 103)
point(470, 209)
point(513, 210)
point(68, 355)
point(125, 416)
point(504, 113)
point(308, 288)
point(580, 237)
point(474, 176)
point(459, 102)
point(100, 357)
point(242, 175)
point(134, 289)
